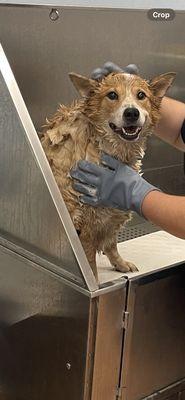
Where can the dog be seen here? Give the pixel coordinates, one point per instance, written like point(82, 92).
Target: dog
point(115, 116)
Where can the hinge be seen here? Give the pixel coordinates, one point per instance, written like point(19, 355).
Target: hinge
point(125, 319)
point(118, 393)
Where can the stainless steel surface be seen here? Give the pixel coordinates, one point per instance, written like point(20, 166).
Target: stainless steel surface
point(42, 52)
point(156, 251)
point(154, 346)
point(176, 391)
point(104, 288)
point(33, 213)
point(44, 325)
point(136, 228)
point(170, 179)
point(108, 345)
point(105, 3)
point(55, 341)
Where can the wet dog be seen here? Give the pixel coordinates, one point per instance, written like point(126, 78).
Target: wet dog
point(114, 116)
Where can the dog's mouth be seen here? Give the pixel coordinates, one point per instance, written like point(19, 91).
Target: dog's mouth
point(129, 133)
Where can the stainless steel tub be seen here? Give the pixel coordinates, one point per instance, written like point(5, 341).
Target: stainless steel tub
point(62, 336)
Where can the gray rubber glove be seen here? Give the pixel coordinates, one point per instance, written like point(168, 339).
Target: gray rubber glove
point(108, 67)
point(113, 184)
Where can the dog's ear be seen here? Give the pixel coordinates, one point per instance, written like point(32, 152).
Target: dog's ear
point(160, 84)
point(83, 85)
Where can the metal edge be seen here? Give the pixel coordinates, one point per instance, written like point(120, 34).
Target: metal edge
point(39, 260)
point(153, 274)
point(40, 267)
point(68, 279)
point(35, 145)
point(109, 327)
point(130, 306)
point(91, 342)
point(111, 287)
point(176, 388)
point(77, 7)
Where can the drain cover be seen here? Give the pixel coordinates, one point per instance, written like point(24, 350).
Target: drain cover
point(134, 231)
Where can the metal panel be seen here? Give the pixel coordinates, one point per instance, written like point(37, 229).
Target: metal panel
point(172, 392)
point(44, 333)
point(108, 345)
point(42, 53)
point(106, 3)
point(154, 347)
point(170, 179)
point(54, 341)
point(161, 155)
point(33, 213)
point(182, 395)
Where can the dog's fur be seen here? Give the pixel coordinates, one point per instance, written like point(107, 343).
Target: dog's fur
point(82, 131)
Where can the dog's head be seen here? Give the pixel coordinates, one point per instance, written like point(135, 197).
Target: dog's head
point(122, 104)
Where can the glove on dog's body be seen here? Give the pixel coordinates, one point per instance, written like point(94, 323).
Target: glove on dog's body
point(84, 130)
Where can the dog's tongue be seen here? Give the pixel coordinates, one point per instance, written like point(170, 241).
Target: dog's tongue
point(130, 129)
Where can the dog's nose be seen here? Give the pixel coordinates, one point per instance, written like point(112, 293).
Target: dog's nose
point(131, 114)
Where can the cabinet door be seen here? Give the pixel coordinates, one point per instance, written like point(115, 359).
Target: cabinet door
point(154, 345)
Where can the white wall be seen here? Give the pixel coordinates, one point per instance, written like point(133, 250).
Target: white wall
point(177, 5)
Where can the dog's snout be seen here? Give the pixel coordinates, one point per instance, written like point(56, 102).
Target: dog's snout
point(131, 114)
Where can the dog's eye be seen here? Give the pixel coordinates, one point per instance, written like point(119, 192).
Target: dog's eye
point(112, 96)
point(141, 95)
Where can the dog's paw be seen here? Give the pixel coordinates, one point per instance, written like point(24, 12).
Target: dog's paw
point(132, 267)
point(126, 266)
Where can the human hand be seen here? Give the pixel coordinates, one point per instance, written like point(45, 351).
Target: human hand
point(109, 67)
point(112, 184)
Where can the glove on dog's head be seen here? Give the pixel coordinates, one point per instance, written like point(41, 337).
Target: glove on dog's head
point(126, 107)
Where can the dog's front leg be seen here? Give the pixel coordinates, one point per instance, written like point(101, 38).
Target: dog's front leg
point(111, 251)
point(90, 251)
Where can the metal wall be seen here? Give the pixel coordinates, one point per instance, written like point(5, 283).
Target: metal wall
point(33, 214)
point(107, 3)
point(56, 342)
point(42, 53)
point(44, 330)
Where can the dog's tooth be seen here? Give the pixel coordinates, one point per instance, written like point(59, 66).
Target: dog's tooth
point(124, 131)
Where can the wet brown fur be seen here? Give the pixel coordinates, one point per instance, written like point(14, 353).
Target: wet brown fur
point(80, 131)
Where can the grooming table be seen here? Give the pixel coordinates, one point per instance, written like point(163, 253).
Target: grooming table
point(149, 253)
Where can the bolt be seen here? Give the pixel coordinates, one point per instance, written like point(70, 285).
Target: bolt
point(68, 366)
point(54, 14)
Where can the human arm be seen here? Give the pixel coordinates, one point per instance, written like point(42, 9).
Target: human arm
point(116, 185)
point(166, 211)
point(170, 126)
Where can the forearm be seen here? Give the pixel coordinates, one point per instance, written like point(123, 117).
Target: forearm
point(172, 118)
point(166, 211)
